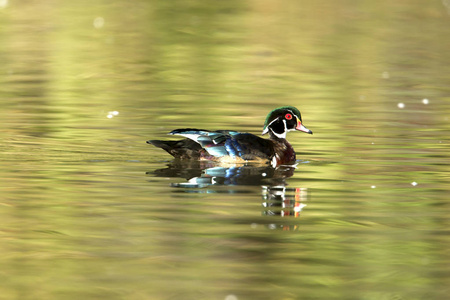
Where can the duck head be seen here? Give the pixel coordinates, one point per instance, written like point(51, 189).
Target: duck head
point(282, 120)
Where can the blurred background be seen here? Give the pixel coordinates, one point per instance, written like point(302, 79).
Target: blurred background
point(86, 214)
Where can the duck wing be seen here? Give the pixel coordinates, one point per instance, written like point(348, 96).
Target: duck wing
point(229, 143)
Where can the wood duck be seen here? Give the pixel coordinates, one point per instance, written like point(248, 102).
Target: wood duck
point(229, 146)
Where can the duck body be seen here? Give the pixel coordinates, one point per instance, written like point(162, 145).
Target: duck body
point(227, 146)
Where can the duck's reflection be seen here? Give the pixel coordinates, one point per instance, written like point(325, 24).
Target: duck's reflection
point(284, 201)
point(277, 199)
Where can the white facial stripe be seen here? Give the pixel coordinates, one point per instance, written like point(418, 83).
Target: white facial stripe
point(298, 118)
point(294, 127)
point(279, 135)
point(272, 122)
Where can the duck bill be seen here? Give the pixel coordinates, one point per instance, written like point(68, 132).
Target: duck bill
point(300, 127)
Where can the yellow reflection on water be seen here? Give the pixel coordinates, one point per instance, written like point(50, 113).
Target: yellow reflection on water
point(82, 219)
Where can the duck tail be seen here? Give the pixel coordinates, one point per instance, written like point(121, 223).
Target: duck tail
point(182, 149)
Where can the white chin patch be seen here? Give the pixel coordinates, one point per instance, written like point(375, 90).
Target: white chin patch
point(278, 135)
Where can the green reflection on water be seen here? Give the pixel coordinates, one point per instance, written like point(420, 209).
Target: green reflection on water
point(81, 219)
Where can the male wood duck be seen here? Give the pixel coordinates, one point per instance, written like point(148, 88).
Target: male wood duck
point(229, 146)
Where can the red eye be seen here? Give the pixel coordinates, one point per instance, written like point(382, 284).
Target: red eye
point(288, 116)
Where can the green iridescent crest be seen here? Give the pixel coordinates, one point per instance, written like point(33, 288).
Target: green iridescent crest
point(279, 112)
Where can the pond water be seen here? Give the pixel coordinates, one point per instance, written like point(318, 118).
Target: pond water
point(90, 211)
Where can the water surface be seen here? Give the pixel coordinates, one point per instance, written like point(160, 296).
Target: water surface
point(90, 211)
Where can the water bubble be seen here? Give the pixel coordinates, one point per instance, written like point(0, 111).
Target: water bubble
point(99, 22)
point(112, 114)
point(425, 101)
point(413, 183)
point(373, 186)
point(401, 105)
